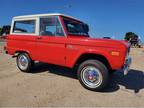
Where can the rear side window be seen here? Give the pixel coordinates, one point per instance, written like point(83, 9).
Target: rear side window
point(26, 26)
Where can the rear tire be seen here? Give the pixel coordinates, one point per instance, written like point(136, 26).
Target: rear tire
point(93, 75)
point(24, 62)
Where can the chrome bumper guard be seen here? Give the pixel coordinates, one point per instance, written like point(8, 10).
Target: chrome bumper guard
point(127, 65)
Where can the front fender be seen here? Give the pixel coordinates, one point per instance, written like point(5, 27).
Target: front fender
point(116, 62)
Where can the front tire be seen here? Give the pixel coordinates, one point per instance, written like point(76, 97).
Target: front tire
point(24, 62)
point(93, 75)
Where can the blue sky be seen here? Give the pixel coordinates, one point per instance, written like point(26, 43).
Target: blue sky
point(105, 17)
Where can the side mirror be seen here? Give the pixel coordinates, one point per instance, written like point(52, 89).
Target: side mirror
point(86, 28)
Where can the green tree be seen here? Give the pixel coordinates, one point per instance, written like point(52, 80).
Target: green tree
point(0, 30)
point(129, 35)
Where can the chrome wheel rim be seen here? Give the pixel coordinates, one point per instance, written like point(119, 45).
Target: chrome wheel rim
point(23, 62)
point(91, 76)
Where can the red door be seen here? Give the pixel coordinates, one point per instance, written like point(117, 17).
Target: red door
point(51, 49)
point(51, 42)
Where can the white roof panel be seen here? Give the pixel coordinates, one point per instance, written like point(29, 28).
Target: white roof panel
point(42, 15)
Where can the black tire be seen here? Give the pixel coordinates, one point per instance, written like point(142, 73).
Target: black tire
point(101, 70)
point(28, 67)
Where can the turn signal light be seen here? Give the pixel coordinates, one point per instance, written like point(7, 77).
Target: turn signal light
point(115, 53)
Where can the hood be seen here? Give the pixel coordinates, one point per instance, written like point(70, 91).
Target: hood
point(106, 42)
point(99, 42)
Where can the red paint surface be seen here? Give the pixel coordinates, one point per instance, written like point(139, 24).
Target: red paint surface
point(65, 51)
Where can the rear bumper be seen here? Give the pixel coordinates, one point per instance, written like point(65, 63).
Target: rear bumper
point(126, 66)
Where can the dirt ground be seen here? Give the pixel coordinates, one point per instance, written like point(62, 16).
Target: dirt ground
point(50, 85)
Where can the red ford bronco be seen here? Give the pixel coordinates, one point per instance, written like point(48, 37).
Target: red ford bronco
point(63, 40)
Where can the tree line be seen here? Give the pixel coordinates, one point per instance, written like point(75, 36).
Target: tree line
point(5, 30)
point(0, 30)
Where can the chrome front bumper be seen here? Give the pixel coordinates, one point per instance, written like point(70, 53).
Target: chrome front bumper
point(127, 65)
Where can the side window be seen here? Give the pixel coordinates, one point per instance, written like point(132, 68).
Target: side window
point(50, 26)
point(26, 26)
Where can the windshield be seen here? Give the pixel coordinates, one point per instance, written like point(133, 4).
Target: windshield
point(74, 27)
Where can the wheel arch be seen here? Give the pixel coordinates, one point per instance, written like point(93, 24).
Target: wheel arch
point(20, 51)
point(88, 56)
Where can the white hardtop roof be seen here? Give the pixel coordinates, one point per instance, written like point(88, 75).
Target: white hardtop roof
point(42, 15)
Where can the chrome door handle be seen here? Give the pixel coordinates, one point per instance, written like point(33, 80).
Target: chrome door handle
point(69, 46)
